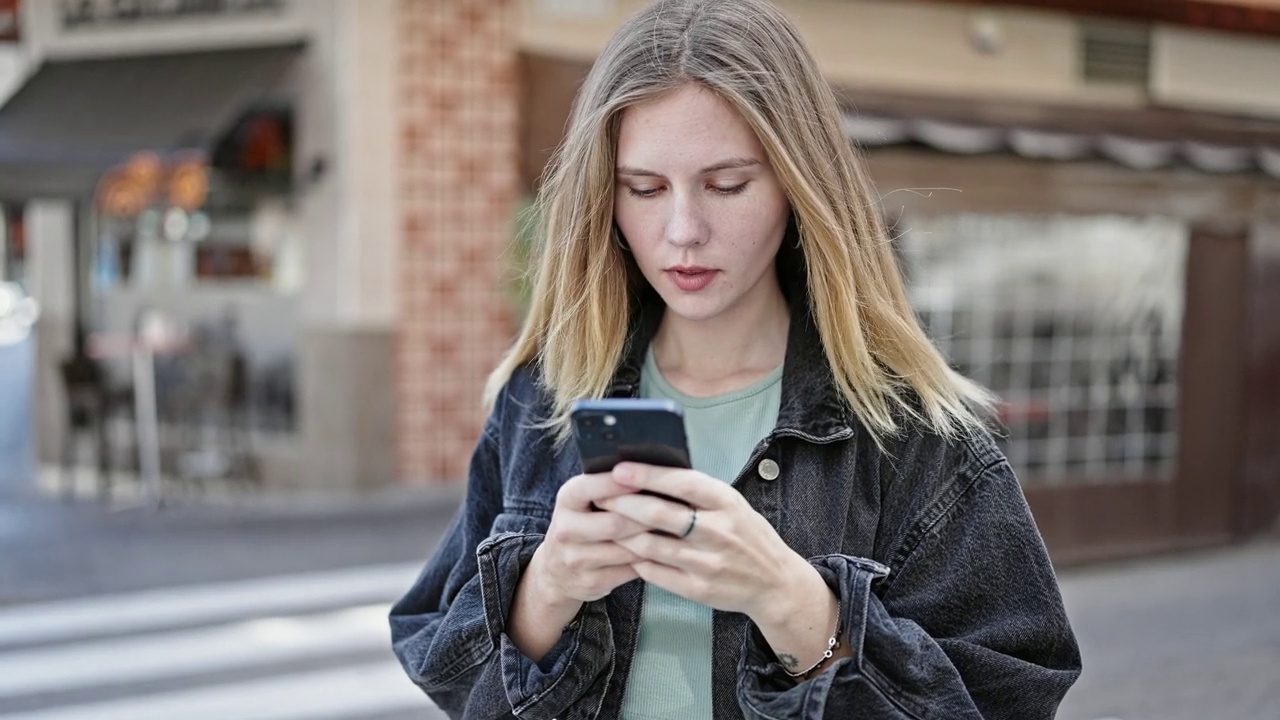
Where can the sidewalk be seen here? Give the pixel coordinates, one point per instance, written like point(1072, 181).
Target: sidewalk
point(1193, 636)
point(1181, 637)
point(235, 494)
point(51, 548)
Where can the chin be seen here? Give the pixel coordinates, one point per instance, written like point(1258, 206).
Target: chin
point(693, 309)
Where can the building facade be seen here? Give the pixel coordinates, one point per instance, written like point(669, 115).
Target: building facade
point(1085, 198)
point(1121, 165)
point(383, 300)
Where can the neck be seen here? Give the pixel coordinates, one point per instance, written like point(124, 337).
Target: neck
point(727, 353)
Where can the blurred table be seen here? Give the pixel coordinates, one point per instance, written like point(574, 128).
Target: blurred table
point(156, 335)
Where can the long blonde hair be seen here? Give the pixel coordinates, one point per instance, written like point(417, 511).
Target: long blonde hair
point(585, 290)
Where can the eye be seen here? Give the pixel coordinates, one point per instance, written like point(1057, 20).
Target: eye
point(643, 192)
point(734, 190)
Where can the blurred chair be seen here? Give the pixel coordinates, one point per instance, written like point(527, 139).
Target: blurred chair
point(90, 403)
point(205, 399)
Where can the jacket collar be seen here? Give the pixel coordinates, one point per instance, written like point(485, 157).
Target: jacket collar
point(811, 404)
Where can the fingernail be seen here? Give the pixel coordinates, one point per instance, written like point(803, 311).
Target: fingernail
point(623, 473)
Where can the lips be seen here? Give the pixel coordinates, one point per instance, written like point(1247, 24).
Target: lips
point(691, 278)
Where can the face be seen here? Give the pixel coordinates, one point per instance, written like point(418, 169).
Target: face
point(699, 204)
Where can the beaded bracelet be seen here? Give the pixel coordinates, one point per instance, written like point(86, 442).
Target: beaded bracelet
point(833, 644)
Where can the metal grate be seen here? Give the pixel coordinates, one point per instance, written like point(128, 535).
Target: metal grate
point(1115, 52)
point(1074, 322)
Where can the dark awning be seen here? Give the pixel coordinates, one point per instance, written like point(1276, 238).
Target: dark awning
point(74, 119)
point(1138, 138)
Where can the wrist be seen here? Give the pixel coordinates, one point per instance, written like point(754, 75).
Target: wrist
point(798, 593)
point(539, 614)
point(801, 623)
point(541, 591)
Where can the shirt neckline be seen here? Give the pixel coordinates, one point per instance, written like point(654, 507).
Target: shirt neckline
point(665, 388)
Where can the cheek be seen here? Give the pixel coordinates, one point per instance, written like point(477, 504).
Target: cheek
point(752, 233)
point(638, 228)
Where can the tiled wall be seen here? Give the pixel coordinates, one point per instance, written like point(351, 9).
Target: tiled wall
point(458, 167)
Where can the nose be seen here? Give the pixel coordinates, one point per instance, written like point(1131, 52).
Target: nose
point(686, 226)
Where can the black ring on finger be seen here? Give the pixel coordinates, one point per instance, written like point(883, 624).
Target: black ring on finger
point(693, 520)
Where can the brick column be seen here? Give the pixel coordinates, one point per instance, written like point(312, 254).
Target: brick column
point(458, 191)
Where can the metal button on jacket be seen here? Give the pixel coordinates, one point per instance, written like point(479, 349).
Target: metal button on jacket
point(768, 469)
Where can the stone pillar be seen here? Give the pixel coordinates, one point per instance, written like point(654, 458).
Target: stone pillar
point(50, 228)
point(348, 223)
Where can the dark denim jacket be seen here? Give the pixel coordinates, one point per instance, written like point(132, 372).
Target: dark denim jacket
point(950, 603)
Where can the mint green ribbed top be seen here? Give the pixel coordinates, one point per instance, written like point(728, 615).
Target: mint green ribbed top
point(671, 673)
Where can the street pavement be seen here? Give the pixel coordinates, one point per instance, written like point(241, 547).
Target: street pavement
point(1194, 636)
point(276, 611)
point(264, 610)
point(55, 550)
point(285, 648)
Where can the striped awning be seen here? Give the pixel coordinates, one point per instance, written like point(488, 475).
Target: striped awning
point(1138, 153)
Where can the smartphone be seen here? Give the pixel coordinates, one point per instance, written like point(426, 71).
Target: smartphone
point(625, 429)
point(630, 430)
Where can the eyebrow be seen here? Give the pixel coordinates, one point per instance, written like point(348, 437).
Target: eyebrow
point(730, 164)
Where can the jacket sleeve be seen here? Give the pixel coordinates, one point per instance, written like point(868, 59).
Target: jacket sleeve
point(970, 625)
point(449, 629)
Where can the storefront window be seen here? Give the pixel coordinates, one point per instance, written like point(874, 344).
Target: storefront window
point(1074, 322)
point(222, 264)
point(251, 242)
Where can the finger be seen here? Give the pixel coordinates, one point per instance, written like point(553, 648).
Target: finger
point(671, 579)
point(669, 551)
point(592, 558)
point(697, 489)
point(652, 512)
point(607, 579)
point(580, 491)
point(597, 527)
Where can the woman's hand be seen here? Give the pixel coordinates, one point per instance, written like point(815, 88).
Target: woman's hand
point(578, 561)
point(732, 559)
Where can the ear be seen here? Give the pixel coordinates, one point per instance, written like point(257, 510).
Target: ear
point(620, 240)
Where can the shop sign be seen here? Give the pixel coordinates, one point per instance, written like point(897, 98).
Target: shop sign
point(9, 30)
point(78, 14)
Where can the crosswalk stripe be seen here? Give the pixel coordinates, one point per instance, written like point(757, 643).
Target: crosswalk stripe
point(250, 643)
point(71, 620)
point(303, 647)
point(370, 689)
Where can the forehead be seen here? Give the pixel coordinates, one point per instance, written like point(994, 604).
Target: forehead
point(691, 126)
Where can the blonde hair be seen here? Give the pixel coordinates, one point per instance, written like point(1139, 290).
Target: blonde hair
point(585, 285)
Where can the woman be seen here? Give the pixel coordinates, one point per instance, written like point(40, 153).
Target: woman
point(850, 542)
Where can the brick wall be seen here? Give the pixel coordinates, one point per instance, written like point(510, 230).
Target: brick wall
point(458, 167)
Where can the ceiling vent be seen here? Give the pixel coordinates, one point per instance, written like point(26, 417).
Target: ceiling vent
point(1115, 52)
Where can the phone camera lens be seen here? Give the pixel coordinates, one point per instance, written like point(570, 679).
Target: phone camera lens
point(589, 421)
point(609, 435)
